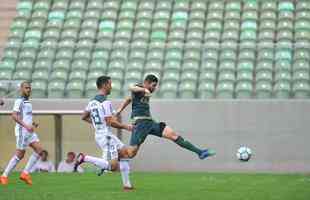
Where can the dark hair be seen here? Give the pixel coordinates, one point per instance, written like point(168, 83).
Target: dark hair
point(44, 151)
point(151, 78)
point(101, 80)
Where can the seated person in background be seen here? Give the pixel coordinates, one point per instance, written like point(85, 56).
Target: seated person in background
point(68, 164)
point(43, 165)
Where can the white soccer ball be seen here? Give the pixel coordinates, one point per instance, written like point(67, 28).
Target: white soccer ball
point(244, 153)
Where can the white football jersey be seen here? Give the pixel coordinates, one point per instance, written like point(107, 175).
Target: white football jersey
point(24, 109)
point(98, 111)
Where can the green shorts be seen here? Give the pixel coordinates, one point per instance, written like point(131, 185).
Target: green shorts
point(146, 127)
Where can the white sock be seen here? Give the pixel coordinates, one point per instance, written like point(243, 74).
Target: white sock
point(125, 170)
point(11, 165)
point(31, 162)
point(102, 163)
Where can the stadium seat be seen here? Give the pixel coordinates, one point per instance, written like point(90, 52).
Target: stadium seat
point(75, 89)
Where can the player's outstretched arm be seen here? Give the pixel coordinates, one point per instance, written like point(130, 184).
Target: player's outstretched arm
point(136, 89)
point(123, 105)
point(86, 117)
point(112, 121)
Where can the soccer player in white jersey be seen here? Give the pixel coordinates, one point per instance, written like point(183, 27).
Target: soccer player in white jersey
point(99, 113)
point(25, 136)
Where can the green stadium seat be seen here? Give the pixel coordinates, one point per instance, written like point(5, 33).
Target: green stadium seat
point(40, 75)
point(70, 33)
point(42, 5)
point(98, 64)
point(206, 90)
point(7, 64)
point(80, 64)
point(64, 54)
point(187, 90)
point(56, 89)
point(27, 54)
point(244, 90)
point(90, 89)
point(283, 75)
point(301, 65)
point(52, 33)
point(50, 43)
point(225, 90)
point(94, 74)
point(43, 64)
point(37, 23)
point(216, 5)
point(75, 89)
point(264, 76)
point(117, 90)
point(57, 15)
point(283, 65)
point(215, 15)
point(38, 89)
point(269, 5)
point(172, 65)
point(62, 64)
point(301, 90)
point(171, 76)
point(10, 53)
point(168, 90)
point(263, 90)
point(77, 76)
point(59, 75)
point(227, 76)
point(25, 64)
point(6, 74)
point(82, 53)
point(73, 23)
point(282, 90)
point(4, 87)
point(191, 65)
point(22, 75)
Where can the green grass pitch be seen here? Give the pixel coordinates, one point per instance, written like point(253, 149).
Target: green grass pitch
point(161, 186)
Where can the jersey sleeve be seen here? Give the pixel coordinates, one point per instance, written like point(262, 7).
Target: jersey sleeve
point(17, 105)
point(107, 108)
point(87, 108)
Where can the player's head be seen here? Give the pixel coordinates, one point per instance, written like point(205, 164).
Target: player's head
point(104, 84)
point(44, 155)
point(70, 157)
point(150, 82)
point(25, 89)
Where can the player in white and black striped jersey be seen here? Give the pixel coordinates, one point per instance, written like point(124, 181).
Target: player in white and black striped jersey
point(25, 136)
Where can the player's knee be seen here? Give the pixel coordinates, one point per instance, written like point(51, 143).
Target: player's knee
point(20, 155)
point(113, 165)
point(132, 153)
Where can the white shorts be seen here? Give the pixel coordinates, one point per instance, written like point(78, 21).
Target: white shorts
point(24, 138)
point(109, 144)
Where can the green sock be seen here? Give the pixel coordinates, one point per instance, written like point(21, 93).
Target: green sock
point(187, 145)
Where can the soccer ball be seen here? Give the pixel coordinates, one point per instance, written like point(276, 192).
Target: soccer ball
point(244, 153)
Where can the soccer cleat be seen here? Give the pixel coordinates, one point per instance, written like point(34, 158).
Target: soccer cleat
point(79, 160)
point(4, 180)
point(128, 189)
point(26, 178)
point(206, 153)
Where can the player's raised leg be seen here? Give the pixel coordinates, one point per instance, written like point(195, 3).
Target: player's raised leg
point(99, 162)
point(18, 156)
point(170, 134)
point(33, 159)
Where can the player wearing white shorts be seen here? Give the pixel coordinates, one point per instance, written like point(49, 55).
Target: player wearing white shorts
point(25, 136)
point(99, 113)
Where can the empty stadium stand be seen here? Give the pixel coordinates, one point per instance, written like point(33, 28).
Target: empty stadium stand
point(199, 48)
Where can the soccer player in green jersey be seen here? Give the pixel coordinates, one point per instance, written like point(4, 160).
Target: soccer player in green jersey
point(144, 125)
